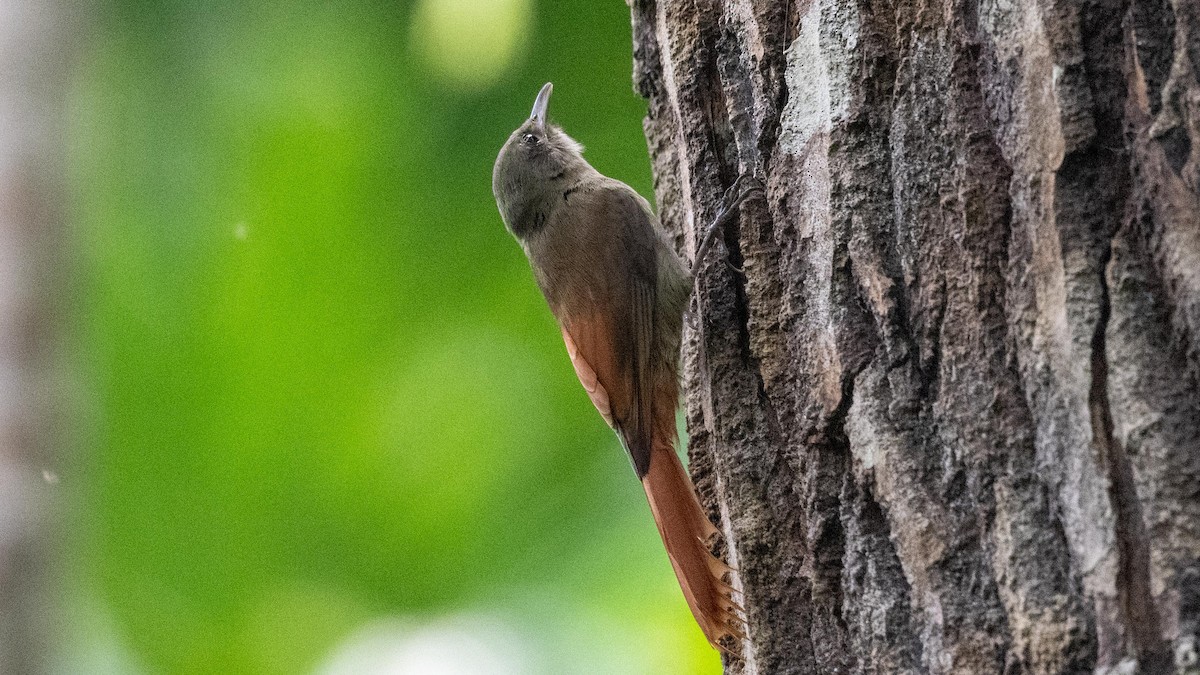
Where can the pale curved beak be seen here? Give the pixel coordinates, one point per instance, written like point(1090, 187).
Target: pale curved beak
point(541, 104)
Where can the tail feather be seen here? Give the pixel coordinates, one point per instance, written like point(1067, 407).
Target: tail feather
point(684, 529)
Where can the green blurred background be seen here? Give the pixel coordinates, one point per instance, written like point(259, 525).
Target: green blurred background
point(327, 422)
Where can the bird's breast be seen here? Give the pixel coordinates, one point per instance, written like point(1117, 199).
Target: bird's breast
point(572, 260)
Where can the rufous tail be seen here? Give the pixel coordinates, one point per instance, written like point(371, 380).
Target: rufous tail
point(685, 529)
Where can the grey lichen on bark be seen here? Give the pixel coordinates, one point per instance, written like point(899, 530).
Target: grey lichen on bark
point(943, 397)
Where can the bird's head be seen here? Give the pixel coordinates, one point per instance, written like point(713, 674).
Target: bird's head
point(536, 161)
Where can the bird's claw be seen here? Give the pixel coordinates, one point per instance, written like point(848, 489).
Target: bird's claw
point(741, 190)
point(735, 194)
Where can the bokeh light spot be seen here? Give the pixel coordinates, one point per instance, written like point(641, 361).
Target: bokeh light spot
point(466, 645)
point(471, 43)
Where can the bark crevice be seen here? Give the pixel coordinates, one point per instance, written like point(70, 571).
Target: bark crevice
point(1133, 548)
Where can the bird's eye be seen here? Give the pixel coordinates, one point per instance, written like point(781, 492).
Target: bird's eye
point(530, 139)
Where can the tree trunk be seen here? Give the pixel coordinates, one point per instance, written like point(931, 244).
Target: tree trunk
point(32, 74)
point(947, 414)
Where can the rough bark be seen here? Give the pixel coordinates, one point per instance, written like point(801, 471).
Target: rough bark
point(32, 74)
point(947, 414)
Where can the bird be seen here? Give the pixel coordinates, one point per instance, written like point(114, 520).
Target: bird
point(619, 292)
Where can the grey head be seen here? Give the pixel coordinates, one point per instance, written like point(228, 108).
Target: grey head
point(534, 165)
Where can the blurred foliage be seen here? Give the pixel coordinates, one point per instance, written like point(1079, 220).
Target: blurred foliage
point(320, 389)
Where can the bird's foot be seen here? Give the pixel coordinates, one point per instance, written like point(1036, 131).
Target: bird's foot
point(742, 189)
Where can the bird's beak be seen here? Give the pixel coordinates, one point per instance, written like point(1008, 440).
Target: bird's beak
point(540, 104)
